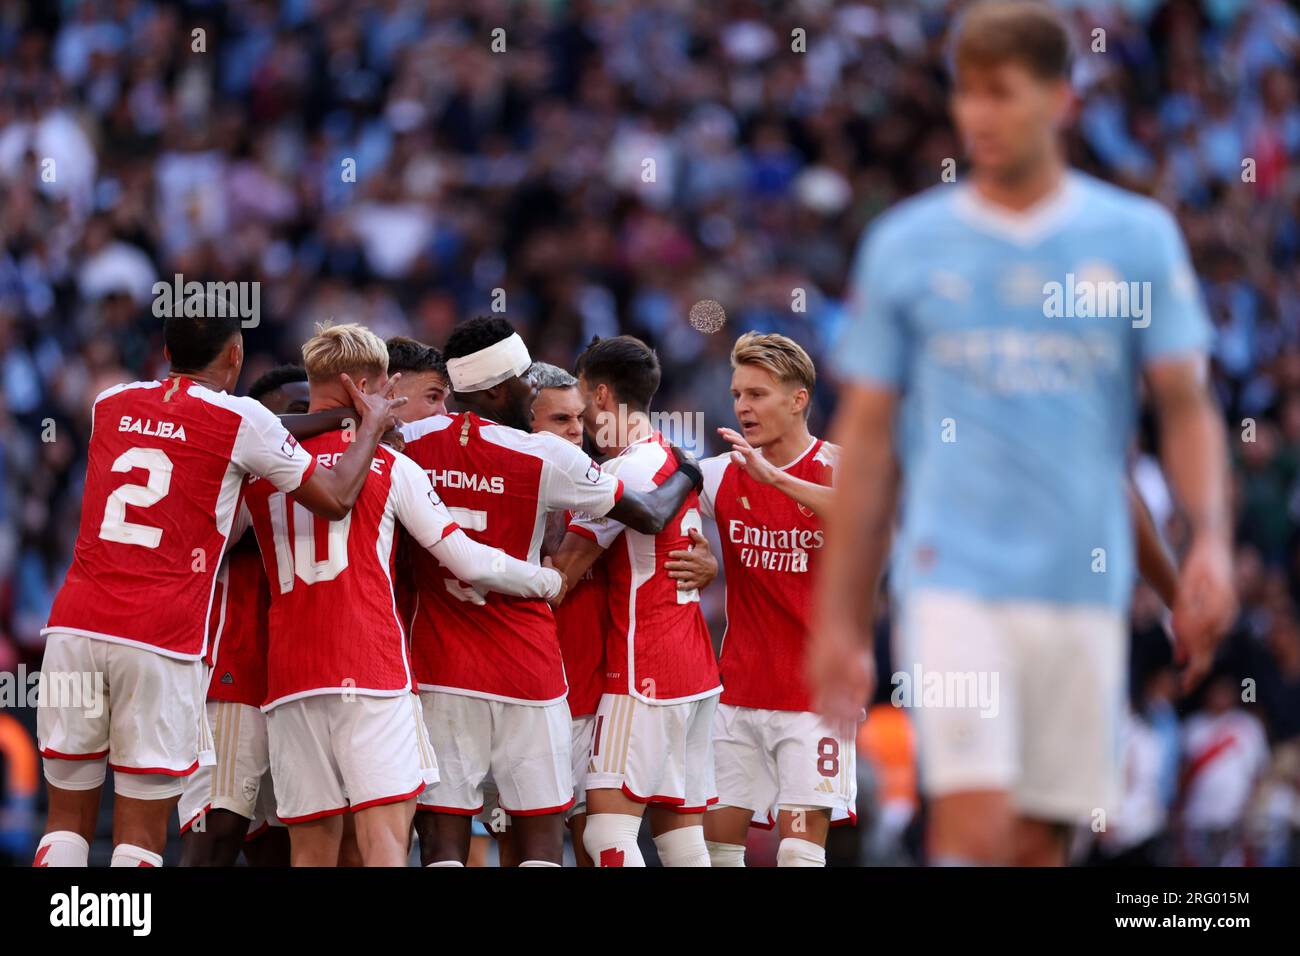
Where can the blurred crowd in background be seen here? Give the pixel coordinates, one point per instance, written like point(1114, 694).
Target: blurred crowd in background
point(599, 167)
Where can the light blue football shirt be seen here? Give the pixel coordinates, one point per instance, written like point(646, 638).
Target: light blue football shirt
point(1016, 343)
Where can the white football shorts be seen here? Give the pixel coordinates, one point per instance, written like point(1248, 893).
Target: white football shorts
point(769, 759)
point(655, 753)
point(335, 752)
point(137, 711)
point(521, 749)
point(1013, 695)
point(243, 764)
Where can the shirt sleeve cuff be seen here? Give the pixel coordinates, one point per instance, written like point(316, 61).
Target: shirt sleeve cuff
point(307, 472)
point(584, 531)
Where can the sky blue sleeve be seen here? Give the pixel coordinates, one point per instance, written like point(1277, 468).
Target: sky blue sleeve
point(872, 346)
point(1178, 322)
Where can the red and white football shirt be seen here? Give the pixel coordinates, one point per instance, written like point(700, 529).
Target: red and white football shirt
point(498, 483)
point(658, 648)
point(582, 623)
point(334, 625)
point(771, 545)
point(239, 632)
point(163, 475)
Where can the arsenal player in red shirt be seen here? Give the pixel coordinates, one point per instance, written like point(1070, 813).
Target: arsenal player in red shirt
point(777, 761)
point(651, 743)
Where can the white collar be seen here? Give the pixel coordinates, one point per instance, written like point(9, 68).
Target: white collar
point(640, 441)
point(1025, 228)
point(797, 458)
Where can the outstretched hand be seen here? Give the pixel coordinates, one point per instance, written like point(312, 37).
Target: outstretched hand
point(748, 458)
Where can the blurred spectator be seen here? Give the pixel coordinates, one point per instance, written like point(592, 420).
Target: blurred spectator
point(1225, 753)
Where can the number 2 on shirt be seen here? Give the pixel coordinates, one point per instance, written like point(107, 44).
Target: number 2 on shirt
point(115, 527)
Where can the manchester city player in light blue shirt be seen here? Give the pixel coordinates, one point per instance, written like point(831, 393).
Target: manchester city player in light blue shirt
point(999, 329)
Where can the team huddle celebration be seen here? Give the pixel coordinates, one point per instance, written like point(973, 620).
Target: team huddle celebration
point(464, 588)
point(384, 650)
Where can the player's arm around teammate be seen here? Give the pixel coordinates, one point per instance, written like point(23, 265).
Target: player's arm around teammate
point(516, 722)
point(344, 729)
point(426, 519)
point(646, 513)
point(694, 568)
point(650, 512)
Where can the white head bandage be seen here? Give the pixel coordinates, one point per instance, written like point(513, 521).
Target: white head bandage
point(489, 366)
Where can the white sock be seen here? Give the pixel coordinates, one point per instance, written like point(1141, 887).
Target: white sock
point(793, 852)
point(725, 854)
point(62, 848)
point(124, 854)
point(683, 847)
point(610, 839)
point(538, 863)
point(444, 863)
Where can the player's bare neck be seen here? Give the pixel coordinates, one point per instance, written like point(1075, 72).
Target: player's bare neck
point(782, 451)
point(328, 395)
point(473, 408)
point(198, 378)
point(1023, 189)
point(636, 427)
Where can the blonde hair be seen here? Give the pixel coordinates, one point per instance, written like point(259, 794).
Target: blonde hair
point(783, 357)
point(336, 349)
